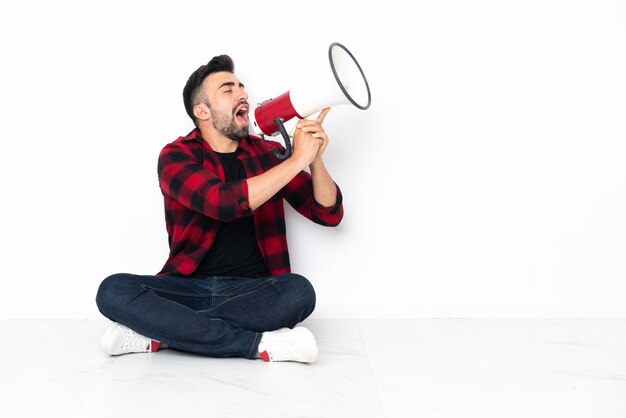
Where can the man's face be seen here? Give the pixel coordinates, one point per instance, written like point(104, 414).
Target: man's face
point(228, 104)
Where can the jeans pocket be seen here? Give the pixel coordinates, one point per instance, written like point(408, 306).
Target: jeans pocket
point(237, 286)
point(195, 301)
point(230, 289)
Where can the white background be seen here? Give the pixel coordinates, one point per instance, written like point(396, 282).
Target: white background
point(486, 180)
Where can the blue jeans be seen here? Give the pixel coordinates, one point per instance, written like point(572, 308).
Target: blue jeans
point(214, 316)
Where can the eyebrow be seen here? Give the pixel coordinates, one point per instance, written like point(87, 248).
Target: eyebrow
point(230, 84)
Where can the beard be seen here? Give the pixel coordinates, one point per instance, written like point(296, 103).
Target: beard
point(226, 125)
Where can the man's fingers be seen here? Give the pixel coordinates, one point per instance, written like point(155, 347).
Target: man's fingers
point(320, 134)
point(302, 123)
point(322, 115)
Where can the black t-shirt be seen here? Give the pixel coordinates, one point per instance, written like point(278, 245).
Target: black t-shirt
point(235, 251)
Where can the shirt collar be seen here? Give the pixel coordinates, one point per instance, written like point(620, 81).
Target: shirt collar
point(196, 136)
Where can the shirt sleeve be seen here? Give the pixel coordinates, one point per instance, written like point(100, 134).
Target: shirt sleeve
point(183, 178)
point(299, 194)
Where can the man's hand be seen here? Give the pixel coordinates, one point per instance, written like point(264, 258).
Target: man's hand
point(310, 139)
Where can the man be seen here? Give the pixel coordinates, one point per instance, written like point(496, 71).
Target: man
point(226, 289)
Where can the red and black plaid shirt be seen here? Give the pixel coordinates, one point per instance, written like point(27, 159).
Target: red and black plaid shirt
point(198, 200)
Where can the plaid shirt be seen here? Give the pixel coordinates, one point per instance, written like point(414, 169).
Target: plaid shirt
point(198, 200)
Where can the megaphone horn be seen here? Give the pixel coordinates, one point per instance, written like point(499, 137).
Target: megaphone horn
point(347, 85)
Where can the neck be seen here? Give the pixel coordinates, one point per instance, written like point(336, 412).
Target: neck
point(217, 141)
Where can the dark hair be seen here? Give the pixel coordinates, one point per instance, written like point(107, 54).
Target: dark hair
point(193, 88)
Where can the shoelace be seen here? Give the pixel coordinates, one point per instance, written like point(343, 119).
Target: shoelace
point(281, 349)
point(135, 341)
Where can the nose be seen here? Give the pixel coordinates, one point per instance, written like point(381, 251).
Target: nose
point(242, 96)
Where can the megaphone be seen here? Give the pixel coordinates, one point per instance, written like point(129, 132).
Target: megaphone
point(344, 85)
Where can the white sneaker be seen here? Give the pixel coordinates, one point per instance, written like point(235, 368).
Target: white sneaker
point(119, 339)
point(286, 344)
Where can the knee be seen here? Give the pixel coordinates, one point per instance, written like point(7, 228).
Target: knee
point(303, 293)
point(110, 292)
point(308, 293)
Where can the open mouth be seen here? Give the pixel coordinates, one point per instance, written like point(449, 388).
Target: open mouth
point(241, 114)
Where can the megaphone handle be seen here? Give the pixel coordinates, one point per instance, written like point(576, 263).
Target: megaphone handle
point(283, 132)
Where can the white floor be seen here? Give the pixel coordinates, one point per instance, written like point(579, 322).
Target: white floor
point(367, 368)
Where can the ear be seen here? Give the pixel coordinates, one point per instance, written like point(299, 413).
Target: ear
point(201, 112)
